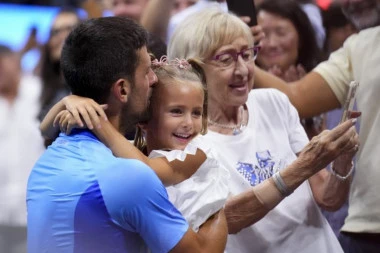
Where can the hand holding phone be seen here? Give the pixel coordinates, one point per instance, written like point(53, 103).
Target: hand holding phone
point(243, 8)
point(350, 101)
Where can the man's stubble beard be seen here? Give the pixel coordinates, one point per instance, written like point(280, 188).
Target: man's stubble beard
point(129, 118)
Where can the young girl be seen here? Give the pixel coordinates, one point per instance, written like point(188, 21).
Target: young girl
point(177, 115)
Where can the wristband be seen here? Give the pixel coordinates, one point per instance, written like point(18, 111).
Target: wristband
point(280, 184)
point(340, 177)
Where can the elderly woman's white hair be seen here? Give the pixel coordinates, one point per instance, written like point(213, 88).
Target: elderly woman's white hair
point(201, 34)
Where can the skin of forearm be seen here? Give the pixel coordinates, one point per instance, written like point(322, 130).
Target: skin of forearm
point(213, 234)
point(311, 95)
point(156, 17)
point(170, 173)
point(329, 192)
point(47, 129)
point(245, 209)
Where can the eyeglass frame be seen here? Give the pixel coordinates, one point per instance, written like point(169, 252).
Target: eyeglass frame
point(235, 56)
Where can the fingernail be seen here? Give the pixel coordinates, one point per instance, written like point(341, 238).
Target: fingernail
point(354, 120)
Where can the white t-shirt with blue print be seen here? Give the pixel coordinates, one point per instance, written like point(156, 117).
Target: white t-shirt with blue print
point(269, 143)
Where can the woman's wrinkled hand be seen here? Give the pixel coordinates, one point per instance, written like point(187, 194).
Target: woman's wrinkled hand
point(82, 109)
point(342, 141)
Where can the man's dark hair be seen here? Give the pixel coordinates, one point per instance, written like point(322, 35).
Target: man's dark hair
point(100, 51)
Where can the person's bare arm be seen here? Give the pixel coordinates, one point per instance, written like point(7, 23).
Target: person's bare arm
point(156, 17)
point(170, 173)
point(311, 95)
point(82, 110)
point(246, 208)
point(329, 191)
point(48, 130)
point(211, 237)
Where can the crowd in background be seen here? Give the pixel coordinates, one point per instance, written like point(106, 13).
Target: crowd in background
point(298, 36)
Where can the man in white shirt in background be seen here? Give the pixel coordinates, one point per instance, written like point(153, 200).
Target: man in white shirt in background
point(20, 146)
point(324, 89)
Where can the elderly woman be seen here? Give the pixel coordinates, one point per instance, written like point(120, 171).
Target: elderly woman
point(275, 195)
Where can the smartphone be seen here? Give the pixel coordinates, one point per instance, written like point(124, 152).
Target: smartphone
point(243, 8)
point(350, 101)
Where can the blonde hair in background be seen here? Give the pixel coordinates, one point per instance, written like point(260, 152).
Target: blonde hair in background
point(201, 34)
point(174, 75)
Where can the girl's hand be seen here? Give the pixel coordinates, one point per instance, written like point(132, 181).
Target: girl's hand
point(83, 109)
point(66, 122)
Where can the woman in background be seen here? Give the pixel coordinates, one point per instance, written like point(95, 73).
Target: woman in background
point(289, 48)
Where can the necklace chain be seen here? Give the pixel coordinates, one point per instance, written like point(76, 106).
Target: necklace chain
point(237, 129)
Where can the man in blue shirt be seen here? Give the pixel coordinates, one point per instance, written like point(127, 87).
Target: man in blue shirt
point(83, 199)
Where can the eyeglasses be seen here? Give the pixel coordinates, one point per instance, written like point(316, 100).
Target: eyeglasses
point(229, 59)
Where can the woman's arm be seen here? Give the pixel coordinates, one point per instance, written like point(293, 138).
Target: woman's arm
point(250, 206)
point(331, 191)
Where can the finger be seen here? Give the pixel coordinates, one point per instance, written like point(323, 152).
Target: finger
point(75, 112)
point(100, 109)
point(354, 114)
point(339, 130)
point(245, 19)
point(347, 141)
point(85, 116)
point(58, 118)
point(94, 117)
point(62, 123)
point(301, 70)
point(70, 125)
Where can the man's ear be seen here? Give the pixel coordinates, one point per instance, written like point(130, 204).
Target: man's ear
point(121, 90)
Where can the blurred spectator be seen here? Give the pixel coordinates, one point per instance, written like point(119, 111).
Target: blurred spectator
point(289, 47)
point(363, 13)
point(73, 3)
point(20, 146)
point(180, 5)
point(338, 28)
point(129, 8)
point(314, 14)
point(53, 84)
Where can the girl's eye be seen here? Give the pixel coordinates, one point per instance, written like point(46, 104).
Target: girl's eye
point(197, 113)
point(176, 111)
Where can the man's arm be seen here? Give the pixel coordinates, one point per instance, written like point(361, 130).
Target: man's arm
point(311, 95)
point(211, 237)
point(250, 206)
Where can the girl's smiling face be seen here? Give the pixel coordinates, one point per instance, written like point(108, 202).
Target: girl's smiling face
point(176, 115)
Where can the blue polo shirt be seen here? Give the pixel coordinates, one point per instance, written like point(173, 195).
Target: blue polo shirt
point(82, 199)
